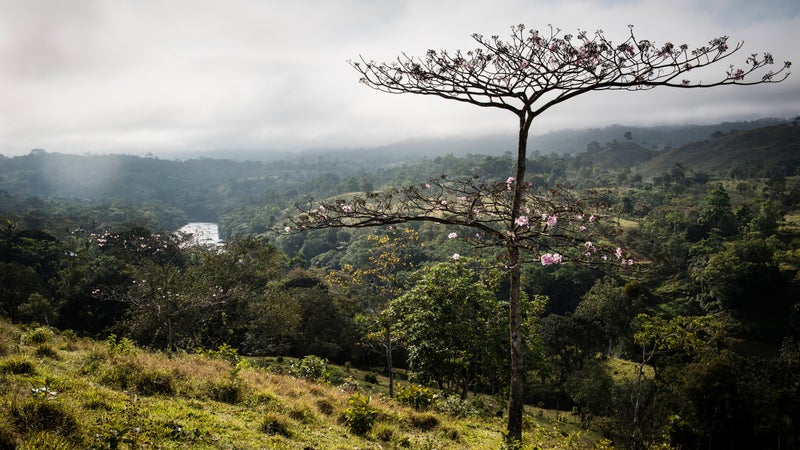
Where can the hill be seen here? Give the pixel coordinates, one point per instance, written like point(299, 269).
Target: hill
point(773, 149)
point(62, 392)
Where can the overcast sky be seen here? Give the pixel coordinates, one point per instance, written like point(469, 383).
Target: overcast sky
point(139, 76)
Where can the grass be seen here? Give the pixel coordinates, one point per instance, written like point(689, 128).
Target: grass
point(80, 393)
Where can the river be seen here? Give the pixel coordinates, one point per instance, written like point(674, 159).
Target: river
point(203, 233)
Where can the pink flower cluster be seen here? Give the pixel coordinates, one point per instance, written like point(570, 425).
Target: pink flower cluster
point(551, 258)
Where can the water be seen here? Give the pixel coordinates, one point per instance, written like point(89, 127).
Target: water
point(203, 233)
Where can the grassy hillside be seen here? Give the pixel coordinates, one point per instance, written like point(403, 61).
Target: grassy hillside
point(61, 392)
point(752, 150)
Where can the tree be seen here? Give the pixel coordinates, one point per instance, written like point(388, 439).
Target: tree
point(383, 277)
point(656, 335)
point(526, 75)
point(449, 323)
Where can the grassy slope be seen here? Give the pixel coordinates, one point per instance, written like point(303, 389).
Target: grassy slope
point(59, 392)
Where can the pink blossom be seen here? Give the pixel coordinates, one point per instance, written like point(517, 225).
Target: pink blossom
point(521, 221)
point(592, 218)
point(426, 186)
point(588, 245)
point(583, 228)
point(510, 180)
point(444, 202)
point(347, 208)
point(551, 221)
point(287, 229)
point(456, 256)
point(463, 199)
point(551, 258)
point(618, 253)
point(452, 235)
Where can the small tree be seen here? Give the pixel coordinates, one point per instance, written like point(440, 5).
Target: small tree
point(526, 75)
point(391, 255)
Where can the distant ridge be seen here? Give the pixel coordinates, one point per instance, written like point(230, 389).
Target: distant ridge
point(776, 148)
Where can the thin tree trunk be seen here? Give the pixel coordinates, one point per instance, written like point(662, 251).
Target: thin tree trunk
point(516, 403)
point(515, 400)
point(389, 361)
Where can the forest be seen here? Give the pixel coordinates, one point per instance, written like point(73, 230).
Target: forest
point(696, 346)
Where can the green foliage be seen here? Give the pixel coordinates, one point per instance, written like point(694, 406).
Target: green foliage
point(18, 365)
point(40, 335)
point(119, 346)
point(273, 423)
point(224, 352)
point(311, 367)
point(450, 325)
point(415, 396)
point(359, 416)
point(38, 415)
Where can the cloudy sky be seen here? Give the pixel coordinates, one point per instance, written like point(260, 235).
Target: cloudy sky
point(140, 76)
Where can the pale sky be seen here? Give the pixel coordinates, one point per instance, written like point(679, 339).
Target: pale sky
point(151, 76)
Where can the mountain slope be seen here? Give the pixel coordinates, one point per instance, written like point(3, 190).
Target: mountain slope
point(752, 151)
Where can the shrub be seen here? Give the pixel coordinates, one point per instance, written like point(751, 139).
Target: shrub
point(311, 368)
point(18, 366)
point(359, 417)
point(371, 378)
point(40, 335)
point(230, 390)
point(324, 406)
point(301, 414)
point(275, 424)
point(155, 382)
point(224, 352)
point(46, 351)
point(37, 414)
point(47, 441)
point(8, 439)
point(417, 397)
point(424, 422)
point(120, 346)
point(454, 406)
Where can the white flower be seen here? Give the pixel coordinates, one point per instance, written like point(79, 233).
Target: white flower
point(452, 235)
point(456, 256)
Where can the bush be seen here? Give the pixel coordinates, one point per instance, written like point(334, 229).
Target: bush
point(417, 397)
point(455, 407)
point(359, 417)
point(18, 366)
point(324, 406)
point(230, 390)
point(424, 422)
point(120, 346)
point(8, 438)
point(40, 335)
point(37, 414)
point(46, 351)
point(47, 441)
point(371, 378)
point(155, 382)
point(311, 368)
point(130, 374)
point(275, 424)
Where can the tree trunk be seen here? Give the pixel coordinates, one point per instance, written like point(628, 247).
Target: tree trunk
point(515, 398)
point(389, 361)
